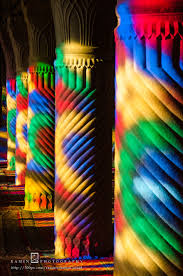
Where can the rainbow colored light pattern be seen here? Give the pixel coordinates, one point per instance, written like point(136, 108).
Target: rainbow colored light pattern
point(3, 129)
point(149, 145)
point(39, 181)
point(11, 121)
point(21, 127)
point(74, 156)
point(4, 108)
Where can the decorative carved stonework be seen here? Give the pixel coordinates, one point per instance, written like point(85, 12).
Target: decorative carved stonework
point(7, 50)
point(158, 24)
point(155, 6)
point(83, 98)
point(40, 31)
point(18, 35)
point(11, 121)
point(149, 149)
point(21, 127)
point(86, 22)
point(39, 179)
point(11, 93)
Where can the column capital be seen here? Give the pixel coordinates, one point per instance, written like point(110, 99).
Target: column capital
point(41, 68)
point(142, 23)
point(75, 55)
point(155, 6)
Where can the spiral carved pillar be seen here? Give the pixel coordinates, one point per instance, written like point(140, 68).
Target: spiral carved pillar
point(39, 180)
point(21, 126)
point(4, 106)
point(11, 121)
point(11, 94)
point(3, 139)
point(3, 89)
point(40, 155)
point(19, 40)
point(3, 123)
point(149, 144)
point(83, 97)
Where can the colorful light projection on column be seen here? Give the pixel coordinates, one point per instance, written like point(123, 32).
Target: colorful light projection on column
point(74, 157)
point(113, 147)
point(21, 127)
point(39, 182)
point(4, 107)
point(11, 121)
point(3, 129)
point(149, 145)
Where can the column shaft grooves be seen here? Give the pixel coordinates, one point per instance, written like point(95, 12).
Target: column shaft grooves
point(11, 121)
point(149, 147)
point(40, 158)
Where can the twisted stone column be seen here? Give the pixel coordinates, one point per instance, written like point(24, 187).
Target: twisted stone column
point(18, 35)
point(11, 93)
point(3, 138)
point(3, 123)
point(21, 127)
point(4, 107)
point(40, 156)
point(11, 121)
point(39, 180)
point(149, 144)
point(83, 166)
